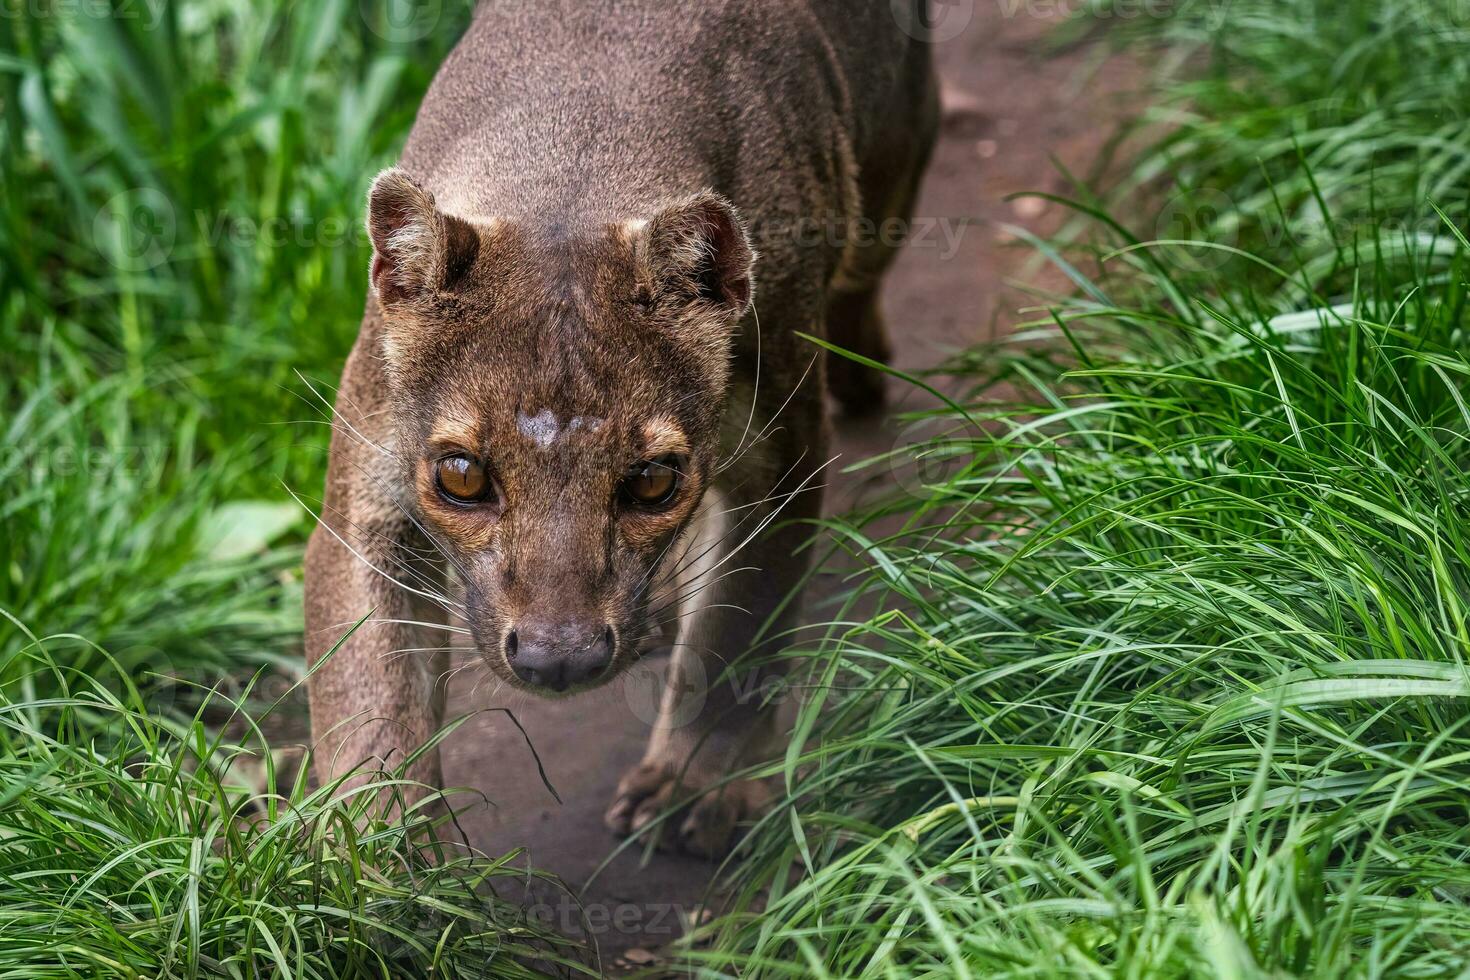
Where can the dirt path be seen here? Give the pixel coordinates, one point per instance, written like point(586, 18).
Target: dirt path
point(1009, 109)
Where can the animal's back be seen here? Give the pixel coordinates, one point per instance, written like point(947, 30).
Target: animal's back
point(600, 109)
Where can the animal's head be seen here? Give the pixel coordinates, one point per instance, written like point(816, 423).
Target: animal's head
point(557, 394)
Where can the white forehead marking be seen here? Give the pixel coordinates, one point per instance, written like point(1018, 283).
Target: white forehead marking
point(543, 429)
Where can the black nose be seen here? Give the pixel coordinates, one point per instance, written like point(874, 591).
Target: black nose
point(558, 655)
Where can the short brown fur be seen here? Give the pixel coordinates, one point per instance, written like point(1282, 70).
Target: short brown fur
point(598, 251)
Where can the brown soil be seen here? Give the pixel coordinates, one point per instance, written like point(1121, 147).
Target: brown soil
point(1009, 108)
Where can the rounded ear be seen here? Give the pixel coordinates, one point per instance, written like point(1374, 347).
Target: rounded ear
point(697, 251)
point(417, 249)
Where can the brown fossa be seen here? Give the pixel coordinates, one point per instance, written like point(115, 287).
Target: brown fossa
point(579, 387)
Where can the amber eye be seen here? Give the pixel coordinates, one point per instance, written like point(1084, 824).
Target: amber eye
point(653, 482)
point(463, 480)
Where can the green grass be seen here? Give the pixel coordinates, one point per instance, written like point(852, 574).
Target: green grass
point(1310, 125)
point(135, 847)
point(1172, 676)
point(1167, 676)
point(179, 248)
point(117, 533)
point(181, 273)
point(1169, 670)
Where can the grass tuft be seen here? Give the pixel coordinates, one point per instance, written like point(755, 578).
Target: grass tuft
point(137, 847)
point(1168, 674)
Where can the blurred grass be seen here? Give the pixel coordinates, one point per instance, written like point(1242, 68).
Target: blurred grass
point(1168, 670)
point(180, 245)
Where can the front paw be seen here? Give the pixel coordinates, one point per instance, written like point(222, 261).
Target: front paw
point(709, 812)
